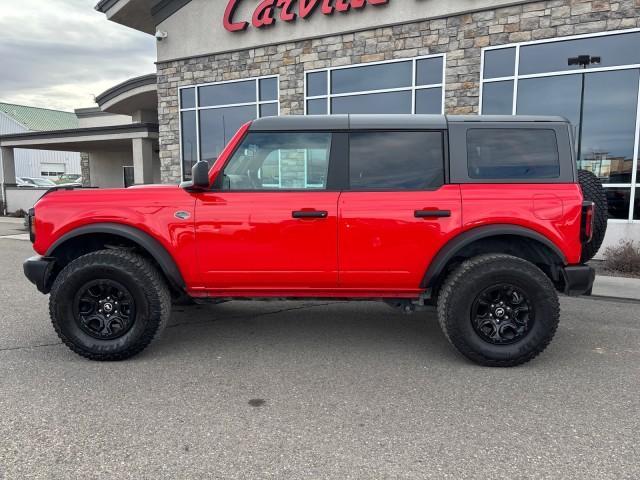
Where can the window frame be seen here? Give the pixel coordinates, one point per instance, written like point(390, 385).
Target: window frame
point(634, 185)
point(459, 152)
point(413, 88)
point(197, 108)
point(334, 177)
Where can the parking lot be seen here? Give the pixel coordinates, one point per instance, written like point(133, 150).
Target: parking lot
point(315, 390)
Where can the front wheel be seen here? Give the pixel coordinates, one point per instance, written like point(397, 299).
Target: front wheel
point(498, 310)
point(109, 304)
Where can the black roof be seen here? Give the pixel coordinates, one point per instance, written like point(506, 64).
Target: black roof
point(369, 122)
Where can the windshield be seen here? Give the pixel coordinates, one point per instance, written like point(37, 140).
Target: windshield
point(43, 182)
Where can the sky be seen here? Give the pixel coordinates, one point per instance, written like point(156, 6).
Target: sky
point(61, 53)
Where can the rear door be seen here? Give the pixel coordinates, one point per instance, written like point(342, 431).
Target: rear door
point(398, 212)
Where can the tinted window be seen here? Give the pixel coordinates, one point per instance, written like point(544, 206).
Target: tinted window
point(499, 63)
point(218, 125)
point(375, 103)
point(429, 71)
point(396, 160)
point(272, 161)
point(189, 142)
point(317, 84)
point(228, 93)
point(512, 153)
point(429, 101)
point(497, 98)
point(553, 57)
point(373, 77)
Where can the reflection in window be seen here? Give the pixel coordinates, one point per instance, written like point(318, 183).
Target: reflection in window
point(608, 134)
point(211, 114)
point(636, 205)
point(613, 50)
point(619, 200)
point(287, 161)
point(406, 86)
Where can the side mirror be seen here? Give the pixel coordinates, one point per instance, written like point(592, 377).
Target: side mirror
point(199, 178)
point(200, 175)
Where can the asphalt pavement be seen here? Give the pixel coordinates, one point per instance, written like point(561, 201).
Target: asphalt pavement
point(285, 390)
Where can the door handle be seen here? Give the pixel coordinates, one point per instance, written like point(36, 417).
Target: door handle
point(432, 213)
point(310, 214)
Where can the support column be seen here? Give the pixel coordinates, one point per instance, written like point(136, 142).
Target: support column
point(8, 165)
point(142, 161)
point(8, 172)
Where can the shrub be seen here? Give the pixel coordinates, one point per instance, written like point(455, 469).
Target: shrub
point(20, 213)
point(624, 258)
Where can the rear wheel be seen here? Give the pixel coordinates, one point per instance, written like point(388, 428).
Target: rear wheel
point(593, 191)
point(109, 305)
point(498, 310)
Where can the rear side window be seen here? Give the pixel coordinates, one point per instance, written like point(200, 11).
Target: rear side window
point(396, 160)
point(512, 153)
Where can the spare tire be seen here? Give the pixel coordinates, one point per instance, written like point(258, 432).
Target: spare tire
point(593, 191)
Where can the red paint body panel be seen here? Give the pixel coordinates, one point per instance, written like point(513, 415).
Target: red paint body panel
point(382, 244)
point(553, 210)
point(150, 209)
point(251, 241)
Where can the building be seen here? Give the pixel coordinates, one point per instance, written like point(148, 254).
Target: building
point(15, 119)
point(116, 142)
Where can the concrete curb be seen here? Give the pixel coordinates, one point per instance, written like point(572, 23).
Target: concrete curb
point(617, 287)
point(12, 220)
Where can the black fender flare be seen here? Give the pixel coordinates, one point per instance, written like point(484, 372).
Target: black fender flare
point(143, 240)
point(451, 249)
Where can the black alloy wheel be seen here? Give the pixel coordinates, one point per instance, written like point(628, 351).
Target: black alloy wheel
point(502, 314)
point(104, 309)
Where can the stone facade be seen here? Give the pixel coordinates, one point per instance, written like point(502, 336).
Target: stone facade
point(461, 37)
point(85, 169)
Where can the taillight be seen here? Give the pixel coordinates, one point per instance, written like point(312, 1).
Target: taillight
point(32, 224)
point(588, 218)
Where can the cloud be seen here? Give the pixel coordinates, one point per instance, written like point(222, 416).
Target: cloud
point(60, 53)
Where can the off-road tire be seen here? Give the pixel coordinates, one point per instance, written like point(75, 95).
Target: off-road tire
point(143, 281)
point(593, 191)
point(463, 286)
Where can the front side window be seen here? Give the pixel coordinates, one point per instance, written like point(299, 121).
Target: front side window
point(512, 153)
point(279, 161)
point(211, 114)
point(406, 86)
point(396, 160)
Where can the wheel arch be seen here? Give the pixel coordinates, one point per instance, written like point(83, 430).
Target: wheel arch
point(105, 235)
point(494, 239)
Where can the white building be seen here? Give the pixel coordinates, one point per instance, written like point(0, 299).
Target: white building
point(15, 119)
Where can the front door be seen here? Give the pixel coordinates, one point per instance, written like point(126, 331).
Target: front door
point(398, 213)
point(271, 224)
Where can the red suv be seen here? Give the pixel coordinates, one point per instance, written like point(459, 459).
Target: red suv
point(483, 217)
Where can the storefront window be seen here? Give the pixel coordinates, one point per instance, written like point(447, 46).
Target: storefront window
point(404, 86)
point(212, 113)
point(600, 100)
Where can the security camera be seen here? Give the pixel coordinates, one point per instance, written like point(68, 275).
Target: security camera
point(160, 35)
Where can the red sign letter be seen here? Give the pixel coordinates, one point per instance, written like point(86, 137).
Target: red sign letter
point(228, 18)
point(327, 8)
point(263, 16)
point(286, 14)
point(307, 7)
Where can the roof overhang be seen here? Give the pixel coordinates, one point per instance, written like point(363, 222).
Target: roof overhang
point(126, 98)
point(112, 138)
point(142, 15)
